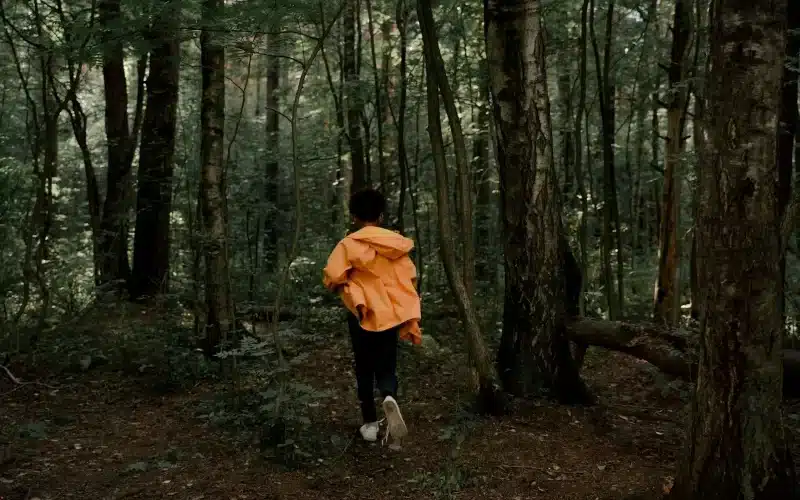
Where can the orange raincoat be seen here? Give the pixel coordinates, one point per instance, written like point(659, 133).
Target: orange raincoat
point(376, 280)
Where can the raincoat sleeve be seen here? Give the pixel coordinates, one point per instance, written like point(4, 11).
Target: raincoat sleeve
point(408, 269)
point(335, 272)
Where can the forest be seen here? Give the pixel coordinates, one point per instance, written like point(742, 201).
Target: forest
point(603, 200)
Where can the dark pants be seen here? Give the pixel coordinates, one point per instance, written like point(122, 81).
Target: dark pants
point(375, 355)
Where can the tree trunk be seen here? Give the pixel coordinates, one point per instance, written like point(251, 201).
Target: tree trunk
point(485, 264)
point(352, 100)
point(379, 109)
point(787, 131)
point(666, 298)
point(402, 153)
point(700, 141)
point(608, 133)
point(567, 129)
point(113, 227)
point(151, 245)
point(489, 395)
point(579, 351)
point(736, 448)
point(272, 212)
point(534, 352)
point(219, 302)
point(462, 186)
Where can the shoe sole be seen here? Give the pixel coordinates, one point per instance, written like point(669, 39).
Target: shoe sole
point(396, 425)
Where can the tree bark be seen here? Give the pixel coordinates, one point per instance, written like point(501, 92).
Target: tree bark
point(534, 353)
point(151, 246)
point(489, 396)
point(736, 447)
point(352, 100)
point(114, 266)
point(379, 109)
point(219, 301)
point(485, 218)
point(787, 131)
point(463, 187)
point(272, 166)
point(608, 134)
point(666, 298)
point(402, 152)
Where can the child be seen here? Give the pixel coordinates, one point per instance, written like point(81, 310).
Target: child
point(376, 279)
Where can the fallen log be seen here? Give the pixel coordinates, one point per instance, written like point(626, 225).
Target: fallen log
point(672, 351)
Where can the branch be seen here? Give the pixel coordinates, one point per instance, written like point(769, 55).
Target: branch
point(670, 350)
point(11, 376)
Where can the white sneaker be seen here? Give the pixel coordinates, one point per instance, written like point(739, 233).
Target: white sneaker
point(370, 431)
point(396, 426)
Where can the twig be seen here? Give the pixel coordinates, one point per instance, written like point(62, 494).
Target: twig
point(11, 375)
point(20, 383)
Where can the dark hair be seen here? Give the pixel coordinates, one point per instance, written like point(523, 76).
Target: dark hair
point(367, 205)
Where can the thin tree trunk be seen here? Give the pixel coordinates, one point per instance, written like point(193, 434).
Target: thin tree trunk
point(489, 396)
point(606, 97)
point(272, 166)
point(352, 101)
point(787, 131)
point(463, 187)
point(402, 154)
point(583, 236)
point(485, 265)
point(219, 301)
point(737, 444)
point(666, 300)
point(379, 109)
point(151, 246)
point(700, 141)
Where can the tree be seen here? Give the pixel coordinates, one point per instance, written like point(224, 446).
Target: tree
point(489, 397)
point(112, 244)
point(666, 299)
point(607, 104)
point(272, 171)
point(219, 301)
point(353, 102)
point(534, 351)
point(151, 245)
point(737, 443)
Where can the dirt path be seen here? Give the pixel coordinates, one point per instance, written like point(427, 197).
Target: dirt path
point(106, 438)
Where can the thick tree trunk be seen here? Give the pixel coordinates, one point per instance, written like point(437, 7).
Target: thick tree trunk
point(737, 447)
point(666, 297)
point(151, 246)
point(219, 302)
point(534, 353)
point(272, 167)
point(488, 390)
point(352, 100)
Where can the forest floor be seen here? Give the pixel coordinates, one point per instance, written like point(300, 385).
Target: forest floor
point(108, 433)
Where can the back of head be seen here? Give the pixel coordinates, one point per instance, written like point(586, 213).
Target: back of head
point(367, 206)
